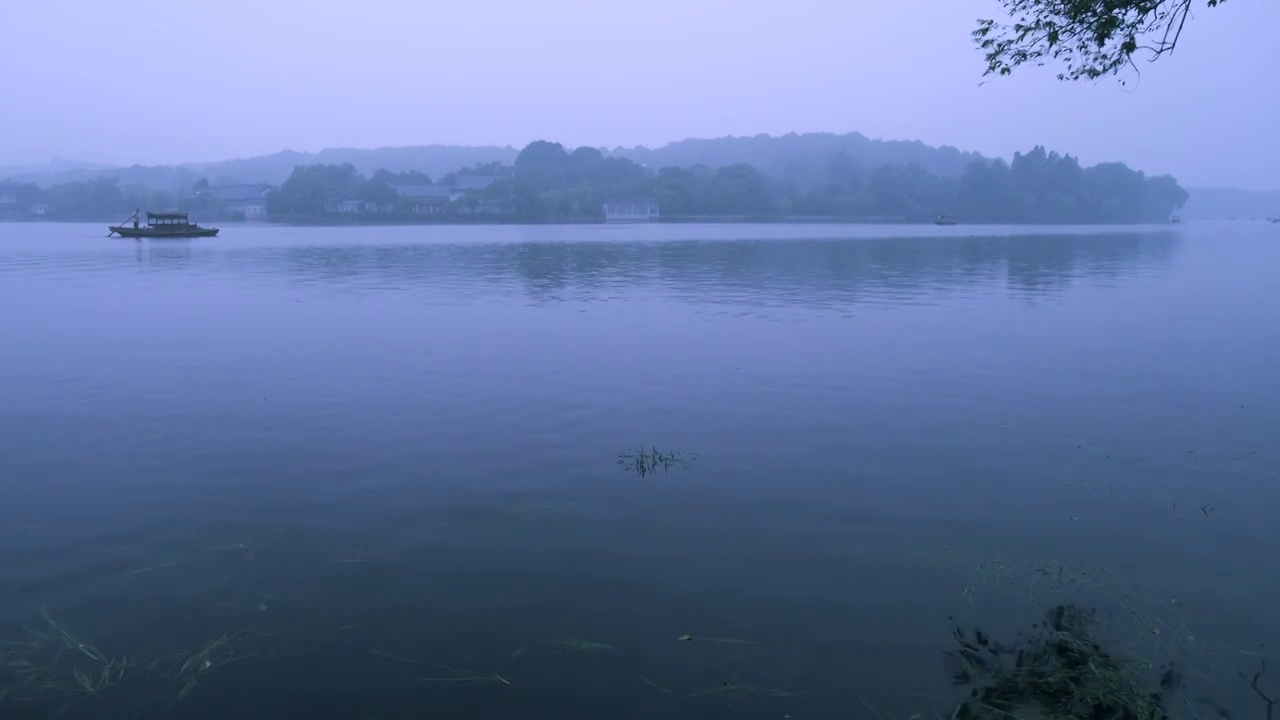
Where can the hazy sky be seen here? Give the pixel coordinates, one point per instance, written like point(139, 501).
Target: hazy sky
point(149, 82)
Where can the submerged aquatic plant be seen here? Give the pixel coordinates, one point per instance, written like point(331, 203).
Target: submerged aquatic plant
point(54, 662)
point(646, 462)
point(1143, 621)
point(187, 669)
point(735, 689)
point(1059, 673)
point(452, 675)
point(725, 641)
point(460, 676)
point(572, 644)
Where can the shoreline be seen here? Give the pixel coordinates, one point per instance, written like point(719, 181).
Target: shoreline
point(701, 220)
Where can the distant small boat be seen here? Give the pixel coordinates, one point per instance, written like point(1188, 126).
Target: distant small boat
point(163, 225)
point(944, 220)
point(1175, 219)
point(1273, 220)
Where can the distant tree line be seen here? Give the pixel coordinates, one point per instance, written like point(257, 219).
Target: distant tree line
point(547, 183)
point(93, 199)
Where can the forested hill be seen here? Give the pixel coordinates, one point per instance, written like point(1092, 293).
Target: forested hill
point(548, 183)
point(793, 176)
point(793, 158)
point(433, 160)
point(797, 159)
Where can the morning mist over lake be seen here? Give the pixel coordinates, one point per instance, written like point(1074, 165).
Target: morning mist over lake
point(701, 360)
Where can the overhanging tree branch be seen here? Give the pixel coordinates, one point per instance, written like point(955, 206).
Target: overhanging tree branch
point(1092, 38)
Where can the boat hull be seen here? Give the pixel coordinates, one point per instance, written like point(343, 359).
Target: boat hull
point(143, 232)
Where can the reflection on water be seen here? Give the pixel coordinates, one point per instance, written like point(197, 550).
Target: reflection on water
point(797, 272)
point(791, 268)
point(410, 472)
point(166, 254)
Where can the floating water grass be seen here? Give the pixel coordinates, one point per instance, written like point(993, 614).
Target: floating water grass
point(244, 550)
point(1269, 702)
point(646, 462)
point(1040, 580)
point(187, 669)
point(733, 689)
point(727, 689)
point(397, 658)
point(575, 645)
point(725, 641)
point(452, 675)
point(460, 676)
point(56, 663)
point(655, 686)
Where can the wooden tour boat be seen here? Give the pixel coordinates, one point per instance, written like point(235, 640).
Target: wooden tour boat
point(162, 225)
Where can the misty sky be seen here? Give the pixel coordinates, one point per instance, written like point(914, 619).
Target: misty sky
point(234, 78)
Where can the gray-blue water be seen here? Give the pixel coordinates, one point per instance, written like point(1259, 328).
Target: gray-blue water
point(386, 460)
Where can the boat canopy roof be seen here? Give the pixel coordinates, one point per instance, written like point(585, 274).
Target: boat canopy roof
point(167, 216)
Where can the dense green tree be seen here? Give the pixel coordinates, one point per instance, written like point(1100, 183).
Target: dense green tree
point(99, 198)
point(543, 164)
point(548, 183)
point(1161, 194)
point(490, 168)
point(541, 152)
point(28, 194)
point(1038, 187)
point(1091, 38)
point(154, 200)
point(743, 190)
point(984, 190)
point(800, 159)
point(680, 191)
point(94, 199)
point(201, 199)
point(584, 200)
point(407, 177)
point(843, 171)
point(908, 192)
point(1116, 193)
point(310, 188)
point(585, 158)
point(378, 192)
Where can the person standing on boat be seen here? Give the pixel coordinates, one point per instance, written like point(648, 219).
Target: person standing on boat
point(135, 218)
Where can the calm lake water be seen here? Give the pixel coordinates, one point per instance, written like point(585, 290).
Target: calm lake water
point(376, 473)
